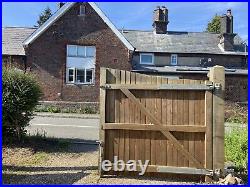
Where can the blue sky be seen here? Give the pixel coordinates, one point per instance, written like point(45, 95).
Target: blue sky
point(138, 15)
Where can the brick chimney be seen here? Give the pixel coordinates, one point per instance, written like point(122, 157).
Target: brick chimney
point(160, 20)
point(227, 35)
point(60, 4)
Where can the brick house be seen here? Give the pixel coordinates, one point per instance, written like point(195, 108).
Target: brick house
point(67, 51)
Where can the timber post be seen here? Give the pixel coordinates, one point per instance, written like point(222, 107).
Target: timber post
point(103, 72)
point(217, 76)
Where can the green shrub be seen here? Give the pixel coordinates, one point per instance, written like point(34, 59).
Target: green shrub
point(20, 96)
point(236, 148)
point(53, 109)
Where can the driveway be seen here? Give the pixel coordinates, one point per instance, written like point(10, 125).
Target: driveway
point(68, 128)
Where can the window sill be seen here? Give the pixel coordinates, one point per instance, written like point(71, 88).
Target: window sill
point(80, 84)
point(147, 64)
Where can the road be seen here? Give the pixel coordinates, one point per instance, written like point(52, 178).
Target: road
point(68, 128)
point(78, 128)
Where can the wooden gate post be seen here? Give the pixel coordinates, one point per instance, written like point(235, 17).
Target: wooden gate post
point(103, 72)
point(217, 76)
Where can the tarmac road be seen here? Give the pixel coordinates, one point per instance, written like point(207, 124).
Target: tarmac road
point(66, 128)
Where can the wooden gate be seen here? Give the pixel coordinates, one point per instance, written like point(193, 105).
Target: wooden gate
point(178, 125)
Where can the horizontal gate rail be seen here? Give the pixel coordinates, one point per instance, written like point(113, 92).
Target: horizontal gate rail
point(174, 170)
point(192, 87)
point(150, 127)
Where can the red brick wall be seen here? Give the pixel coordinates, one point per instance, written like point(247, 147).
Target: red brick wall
point(47, 54)
point(14, 62)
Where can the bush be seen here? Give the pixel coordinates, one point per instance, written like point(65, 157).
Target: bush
point(21, 94)
point(236, 148)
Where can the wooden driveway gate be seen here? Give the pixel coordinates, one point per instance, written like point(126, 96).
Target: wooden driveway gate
point(178, 125)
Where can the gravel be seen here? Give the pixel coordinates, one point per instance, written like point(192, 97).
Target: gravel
point(76, 165)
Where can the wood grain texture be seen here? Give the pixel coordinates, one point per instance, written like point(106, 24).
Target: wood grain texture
point(147, 120)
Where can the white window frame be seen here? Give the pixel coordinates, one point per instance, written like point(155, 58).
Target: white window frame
point(85, 76)
point(149, 54)
point(71, 82)
point(171, 62)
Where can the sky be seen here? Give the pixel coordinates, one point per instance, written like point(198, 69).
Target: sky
point(192, 17)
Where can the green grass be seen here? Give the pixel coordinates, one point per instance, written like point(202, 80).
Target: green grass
point(236, 148)
point(54, 109)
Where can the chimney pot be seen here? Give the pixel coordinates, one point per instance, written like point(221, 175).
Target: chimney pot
point(229, 12)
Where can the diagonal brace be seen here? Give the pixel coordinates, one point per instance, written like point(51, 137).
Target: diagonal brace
point(165, 132)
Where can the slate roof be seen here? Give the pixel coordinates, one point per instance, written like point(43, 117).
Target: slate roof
point(143, 41)
point(12, 39)
point(186, 69)
point(180, 42)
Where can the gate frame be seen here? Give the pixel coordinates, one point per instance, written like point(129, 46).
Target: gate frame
point(214, 120)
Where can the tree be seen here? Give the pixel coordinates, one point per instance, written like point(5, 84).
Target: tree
point(214, 25)
point(44, 16)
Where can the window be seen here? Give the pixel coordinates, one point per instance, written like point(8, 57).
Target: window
point(80, 76)
point(71, 75)
point(82, 10)
point(80, 51)
point(89, 75)
point(80, 64)
point(174, 60)
point(90, 51)
point(147, 58)
point(72, 50)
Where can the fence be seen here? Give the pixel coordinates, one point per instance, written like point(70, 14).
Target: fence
point(178, 125)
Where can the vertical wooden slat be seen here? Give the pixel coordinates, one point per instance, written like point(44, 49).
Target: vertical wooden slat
point(148, 134)
point(174, 119)
point(110, 105)
point(198, 148)
point(180, 119)
point(138, 120)
point(158, 113)
point(191, 145)
point(132, 134)
point(186, 121)
point(209, 132)
point(153, 133)
point(122, 118)
point(169, 95)
point(164, 121)
point(117, 113)
point(127, 120)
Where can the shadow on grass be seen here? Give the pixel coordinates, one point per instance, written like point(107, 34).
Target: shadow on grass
point(44, 175)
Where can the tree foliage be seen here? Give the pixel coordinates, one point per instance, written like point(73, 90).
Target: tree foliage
point(214, 25)
point(44, 16)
